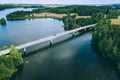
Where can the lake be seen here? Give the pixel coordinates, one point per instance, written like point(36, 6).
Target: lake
point(68, 58)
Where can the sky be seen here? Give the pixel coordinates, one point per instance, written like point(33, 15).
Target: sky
point(61, 1)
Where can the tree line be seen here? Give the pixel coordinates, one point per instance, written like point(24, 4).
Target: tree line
point(7, 6)
point(80, 10)
point(2, 7)
point(83, 10)
point(18, 14)
point(106, 39)
point(71, 22)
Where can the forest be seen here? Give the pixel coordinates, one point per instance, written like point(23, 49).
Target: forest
point(18, 14)
point(106, 39)
point(6, 6)
point(71, 22)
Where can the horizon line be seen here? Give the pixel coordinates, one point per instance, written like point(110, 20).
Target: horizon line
point(64, 4)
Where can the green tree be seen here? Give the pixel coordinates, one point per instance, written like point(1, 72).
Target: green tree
point(4, 47)
point(16, 56)
point(106, 40)
point(9, 63)
point(2, 21)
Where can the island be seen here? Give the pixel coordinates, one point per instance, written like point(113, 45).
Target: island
point(2, 21)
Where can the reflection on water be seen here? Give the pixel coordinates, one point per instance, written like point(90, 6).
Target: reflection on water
point(71, 60)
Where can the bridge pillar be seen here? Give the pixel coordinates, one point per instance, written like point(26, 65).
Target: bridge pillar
point(24, 50)
point(84, 29)
point(51, 42)
point(93, 28)
point(73, 34)
point(90, 28)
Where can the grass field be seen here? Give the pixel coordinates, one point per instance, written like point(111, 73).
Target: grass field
point(55, 15)
point(116, 21)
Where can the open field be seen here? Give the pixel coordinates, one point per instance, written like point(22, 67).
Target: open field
point(116, 21)
point(54, 15)
point(47, 15)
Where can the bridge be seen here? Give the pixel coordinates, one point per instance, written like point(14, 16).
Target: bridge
point(49, 38)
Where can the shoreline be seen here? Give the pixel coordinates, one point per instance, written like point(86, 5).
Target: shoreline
point(23, 18)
